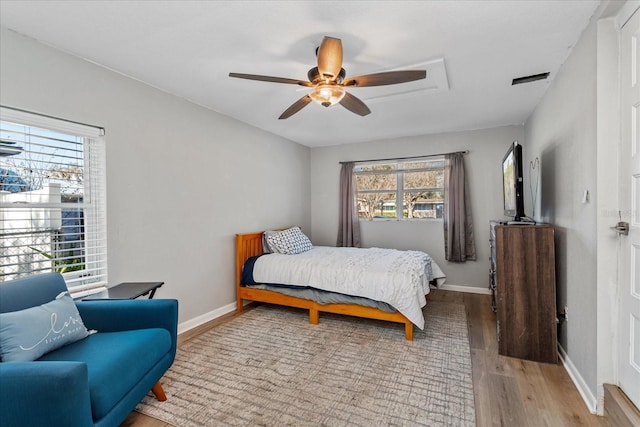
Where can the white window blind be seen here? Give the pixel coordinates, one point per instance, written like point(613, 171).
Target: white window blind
point(52, 200)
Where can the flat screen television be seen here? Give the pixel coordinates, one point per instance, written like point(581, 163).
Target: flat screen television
point(512, 188)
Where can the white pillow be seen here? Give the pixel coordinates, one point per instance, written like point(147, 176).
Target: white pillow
point(289, 242)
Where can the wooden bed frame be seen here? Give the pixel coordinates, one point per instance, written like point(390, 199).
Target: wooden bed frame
point(250, 244)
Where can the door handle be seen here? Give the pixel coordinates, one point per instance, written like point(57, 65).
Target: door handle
point(622, 228)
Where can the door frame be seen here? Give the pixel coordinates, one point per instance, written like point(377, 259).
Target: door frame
point(608, 152)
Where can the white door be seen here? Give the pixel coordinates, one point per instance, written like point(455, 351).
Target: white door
point(629, 260)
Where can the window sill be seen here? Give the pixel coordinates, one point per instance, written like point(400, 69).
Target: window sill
point(400, 220)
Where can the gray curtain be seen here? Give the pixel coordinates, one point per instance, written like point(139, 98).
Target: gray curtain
point(348, 223)
point(459, 244)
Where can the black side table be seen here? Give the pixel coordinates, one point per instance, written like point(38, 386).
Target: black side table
point(127, 290)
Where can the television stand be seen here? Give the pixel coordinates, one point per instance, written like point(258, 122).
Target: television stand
point(522, 281)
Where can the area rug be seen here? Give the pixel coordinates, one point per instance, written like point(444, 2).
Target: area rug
point(270, 367)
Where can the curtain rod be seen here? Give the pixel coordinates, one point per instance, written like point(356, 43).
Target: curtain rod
point(407, 158)
point(52, 117)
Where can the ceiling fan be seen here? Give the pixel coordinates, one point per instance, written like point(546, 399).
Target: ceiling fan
point(328, 82)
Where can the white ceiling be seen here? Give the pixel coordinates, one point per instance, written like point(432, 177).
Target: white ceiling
point(471, 49)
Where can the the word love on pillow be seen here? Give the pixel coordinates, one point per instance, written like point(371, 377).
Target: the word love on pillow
point(28, 334)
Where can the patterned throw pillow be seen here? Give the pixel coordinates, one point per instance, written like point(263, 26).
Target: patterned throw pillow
point(289, 242)
point(27, 334)
point(265, 241)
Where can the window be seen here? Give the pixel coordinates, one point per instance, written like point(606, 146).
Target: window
point(401, 189)
point(52, 200)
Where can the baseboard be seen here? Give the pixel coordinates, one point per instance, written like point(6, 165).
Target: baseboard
point(468, 289)
point(588, 397)
point(204, 318)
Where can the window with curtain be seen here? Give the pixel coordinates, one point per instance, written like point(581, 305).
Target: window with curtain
point(401, 189)
point(52, 200)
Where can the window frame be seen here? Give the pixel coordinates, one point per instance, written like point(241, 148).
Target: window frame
point(93, 278)
point(399, 170)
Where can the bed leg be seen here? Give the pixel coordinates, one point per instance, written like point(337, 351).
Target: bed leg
point(314, 316)
point(408, 331)
point(239, 305)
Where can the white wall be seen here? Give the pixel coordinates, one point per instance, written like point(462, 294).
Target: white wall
point(181, 179)
point(487, 148)
point(562, 134)
point(608, 124)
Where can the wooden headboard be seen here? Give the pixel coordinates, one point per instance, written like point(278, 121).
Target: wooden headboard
point(247, 245)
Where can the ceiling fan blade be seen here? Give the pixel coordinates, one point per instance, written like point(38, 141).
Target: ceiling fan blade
point(330, 57)
point(270, 79)
point(387, 78)
point(295, 107)
point(354, 105)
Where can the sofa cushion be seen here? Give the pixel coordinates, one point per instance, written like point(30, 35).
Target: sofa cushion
point(116, 361)
point(27, 334)
point(30, 291)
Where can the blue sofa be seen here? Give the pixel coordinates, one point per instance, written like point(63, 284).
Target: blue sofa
point(98, 380)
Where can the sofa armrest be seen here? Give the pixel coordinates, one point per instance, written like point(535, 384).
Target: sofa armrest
point(44, 393)
point(124, 315)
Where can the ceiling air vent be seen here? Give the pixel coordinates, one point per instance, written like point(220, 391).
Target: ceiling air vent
point(528, 79)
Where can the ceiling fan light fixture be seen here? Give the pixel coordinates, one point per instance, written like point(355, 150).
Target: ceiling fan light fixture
point(327, 81)
point(327, 94)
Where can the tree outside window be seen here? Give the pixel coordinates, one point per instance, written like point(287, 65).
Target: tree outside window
point(401, 189)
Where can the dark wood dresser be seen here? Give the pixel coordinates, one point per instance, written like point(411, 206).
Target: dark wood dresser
point(523, 282)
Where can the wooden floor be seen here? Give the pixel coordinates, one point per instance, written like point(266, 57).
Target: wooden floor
point(508, 392)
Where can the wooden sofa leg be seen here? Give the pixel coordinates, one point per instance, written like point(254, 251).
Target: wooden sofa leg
point(408, 331)
point(158, 392)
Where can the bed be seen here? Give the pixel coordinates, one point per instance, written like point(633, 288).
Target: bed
point(249, 252)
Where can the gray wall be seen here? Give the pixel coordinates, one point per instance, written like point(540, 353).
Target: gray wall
point(181, 179)
point(562, 134)
point(483, 163)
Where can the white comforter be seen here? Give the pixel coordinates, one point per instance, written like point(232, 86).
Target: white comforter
point(399, 278)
